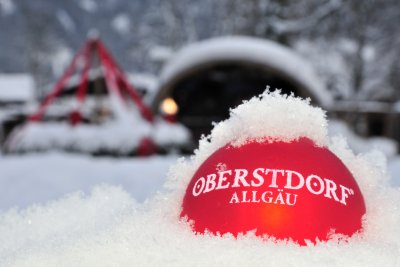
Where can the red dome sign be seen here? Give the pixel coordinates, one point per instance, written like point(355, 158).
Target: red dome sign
point(286, 190)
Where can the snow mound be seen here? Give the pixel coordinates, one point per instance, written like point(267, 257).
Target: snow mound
point(116, 137)
point(270, 115)
point(16, 87)
point(108, 228)
point(361, 144)
point(42, 177)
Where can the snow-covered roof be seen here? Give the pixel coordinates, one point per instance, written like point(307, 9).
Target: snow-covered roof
point(160, 53)
point(145, 81)
point(115, 137)
point(16, 87)
point(260, 51)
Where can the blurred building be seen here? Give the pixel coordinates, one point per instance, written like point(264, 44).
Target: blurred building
point(16, 92)
point(201, 82)
point(15, 89)
point(206, 79)
point(94, 108)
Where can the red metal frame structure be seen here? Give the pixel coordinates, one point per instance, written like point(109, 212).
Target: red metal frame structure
point(114, 76)
point(116, 81)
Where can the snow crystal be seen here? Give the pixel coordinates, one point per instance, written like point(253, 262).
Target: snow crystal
point(160, 53)
point(16, 87)
point(7, 7)
point(88, 5)
point(60, 58)
point(330, 64)
point(121, 23)
point(107, 228)
point(66, 21)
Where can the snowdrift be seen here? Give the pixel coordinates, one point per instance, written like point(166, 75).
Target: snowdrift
point(117, 138)
point(109, 228)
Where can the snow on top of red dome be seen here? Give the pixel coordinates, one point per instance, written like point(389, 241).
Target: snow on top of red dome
point(273, 115)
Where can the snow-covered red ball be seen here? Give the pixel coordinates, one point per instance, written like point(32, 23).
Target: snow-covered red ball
point(287, 190)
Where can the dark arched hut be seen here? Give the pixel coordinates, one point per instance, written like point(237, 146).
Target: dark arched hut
point(205, 79)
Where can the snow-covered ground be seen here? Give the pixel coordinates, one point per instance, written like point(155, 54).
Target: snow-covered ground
point(16, 87)
point(113, 225)
point(39, 178)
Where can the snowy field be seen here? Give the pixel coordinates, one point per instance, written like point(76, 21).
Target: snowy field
point(78, 210)
point(39, 178)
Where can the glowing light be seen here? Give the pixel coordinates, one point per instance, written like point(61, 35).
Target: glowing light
point(169, 106)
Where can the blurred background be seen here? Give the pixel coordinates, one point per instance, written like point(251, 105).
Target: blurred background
point(126, 79)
